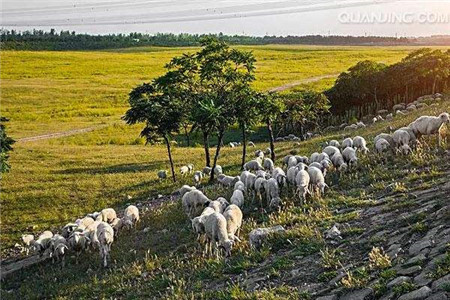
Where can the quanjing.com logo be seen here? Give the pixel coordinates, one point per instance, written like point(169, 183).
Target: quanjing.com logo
point(394, 18)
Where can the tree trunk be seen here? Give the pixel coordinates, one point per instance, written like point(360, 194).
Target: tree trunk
point(244, 146)
point(272, 146)
point(188, 138)
point(206, 146)
point(434, 85)
point(216, 156)
point(170, 158)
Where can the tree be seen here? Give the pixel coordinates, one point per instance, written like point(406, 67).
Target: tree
point(6, 146)
point(155, 105)
point(270, 107)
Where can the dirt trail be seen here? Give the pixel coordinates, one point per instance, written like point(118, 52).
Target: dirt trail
point(92, 128)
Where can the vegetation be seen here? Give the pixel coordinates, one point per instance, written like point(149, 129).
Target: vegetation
point(5, 145)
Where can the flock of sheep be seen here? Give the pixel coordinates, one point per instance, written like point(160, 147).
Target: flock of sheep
point(217, 222)
point(95, 231)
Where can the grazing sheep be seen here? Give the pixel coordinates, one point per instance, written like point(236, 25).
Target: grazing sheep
point(272, 189)
point(302, 182)
point(401, 137)
point(254, 165)
point(184, 170)
point(217, 234)
point(233, 215)
point(275, 203)
point(207, 170)
point(91, 233)
point(334, 143)
point(162, 174)
point(183, 190)
point(251, 144)
point(398, 107)
point(107, 215)
point(348, 142)
point(314, 157)
point(339, 162)
point(351, 127)
point(317, 181)
point(268, 151)
point(198, 176)
point(262, 174)
point(360, 125)
point(68, 229)
point(42, 243)
point(232, 145)
point(239, 186)
point(400, 113)
point(290, 176)
point(78, 242)
point(259, 153)
point(323, 156)
point(27, 240)
point(193, 203)
point(389, 117)
point(260, 185)
point(386, 137)
point(412, 136)
point(350, 158)
point(237, 198)
point(105, 237)
point(360, 144)
point(382, 146)
point(250, 183)
point(330, 151)
point(259, 235)
point(117, 225)
point(190, 168)
point(268, 164)
point(302, 159)
point(279, 175)
point(428, 125)
point(130, 216)
point(404, 149)
point(227, 181)
point(218, 170)
point(286, 160)
point(57, 248)
point(198, 223)
point(86, 221)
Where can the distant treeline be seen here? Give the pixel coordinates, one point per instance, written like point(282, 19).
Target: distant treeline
point(66, 40)
point(369, 86)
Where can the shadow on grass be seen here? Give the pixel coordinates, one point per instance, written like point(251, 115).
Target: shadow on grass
point(121, 168)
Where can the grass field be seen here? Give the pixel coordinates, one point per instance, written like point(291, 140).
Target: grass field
point(56, 181)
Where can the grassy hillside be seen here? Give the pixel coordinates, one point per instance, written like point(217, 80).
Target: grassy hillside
point(161, 258)
point(44, 92)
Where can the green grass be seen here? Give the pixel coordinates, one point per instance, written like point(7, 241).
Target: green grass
point(44, 92)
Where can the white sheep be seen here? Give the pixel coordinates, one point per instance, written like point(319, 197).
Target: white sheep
point(68, 229)
point(317, 181)
point(86, 221)
point(262, 174)
point(78, 242)
point(250, 183)
point(302, 159)
point(428, 125)
point(107, 215)
point(272, 189)
point(41, 244)
point(401, 137)
point(105, 237)
point(57, 248)
point(237, 198)
point(190, 168)
point(193, 203)
point(162, 174)
point(302, 182)
point(351, 127)
point(350, 158)
point(404, 149)
point(386, 137)
point(184, 170)
point(227, 181)
point(389, 117)
point(397, 107)
point(251, 144)
point(286, 159)
point(268, 151)
point(207, 170)
point(217, 235)
point(331, 151)
point(412, 136)
point(183, 190)
point(290, 176)
point(268, 164)
point(218, 170)
point(233, 216)
point(382, 146)
point(334, 143)
point(198, 223)
point(279, 175)
point(253, 165)
point(198, 176)
point(260, 184)
point(259, 154)
point(27, 239)
point(91, 233)
point(360, 144)
point(130, 216)
point(314, 157)
point(339, 162)
point(360, 125)
point(239, 186)
point(348, 142)
point(218, 205)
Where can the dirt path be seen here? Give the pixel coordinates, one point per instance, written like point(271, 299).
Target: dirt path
point(92, 128)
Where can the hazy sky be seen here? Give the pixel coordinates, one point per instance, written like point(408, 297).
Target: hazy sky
point(252, 17)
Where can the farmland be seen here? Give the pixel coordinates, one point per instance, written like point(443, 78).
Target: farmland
point(53, 181)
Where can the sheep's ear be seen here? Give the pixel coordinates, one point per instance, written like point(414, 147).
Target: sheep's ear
point(207, 203)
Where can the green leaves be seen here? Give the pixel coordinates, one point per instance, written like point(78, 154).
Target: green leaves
point(6, 146)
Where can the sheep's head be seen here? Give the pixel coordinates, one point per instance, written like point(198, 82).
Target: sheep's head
point(197, 225)
point(444, 117)
point(353, 162)
point(227, 246)
point(275, 203)
point(322, 187)
point(405, 149)
point(343, 167)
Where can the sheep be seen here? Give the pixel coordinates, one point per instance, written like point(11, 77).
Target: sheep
point(275, 203)
point(184, 170)
point(339, 162)
point(401, 137)
point(218, 170)
point(219, 205)
point(251, 144)
point(78, 242)
point(317, 165)
point(183, 190)
point(268, 164)
point(290, 175)
point(360, 125)
point(259, 153)
point(130, 216)
point(217, 234)
point(411, 107)
point(428, 125)
point(233, 215)
point(239, 186)
point(107, 215)
point(348, 142)
point(350, 158)
point(279, 175)
point(382, 146)
point(302, 159)
point(207, 170)
point(105, 237)
point(190, 168)
point(286, 160)
point(322, 156)
point(360, 144)
point(272, 189)
point(302, 180)
point(260, 184)
point(91, 233)
point(314, 157)
point(86, 221)
point(41, 244)
point(262, 174)
point(254, 165)
point(389, 117)
point(330, 151)
point(117, 225)
point(397, 107)
point(232, 145)
point(317, 181)
point(400, 113)
point(162, 174)
point(198, 222)
point(237, 198)
point(57, 248)
point(250, 182)
point(68, 229)
point(404, 149)
point(192, 202)
point(386, 137)
point(27, 239)
point(227, 181)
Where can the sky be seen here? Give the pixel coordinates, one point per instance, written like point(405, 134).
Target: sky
point(251, 17)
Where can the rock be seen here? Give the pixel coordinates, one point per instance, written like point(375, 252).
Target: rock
point(259, 235)
point(418, 246)
point(146, 229)
point(422, 279)
point(358, 294)
point(329, 297)
point(409, 271)
point(438, 296)
point(419, 294)
point(415, 260)
point(441, 283)
point(394, 250)
point(398, 281)
point(333, 233)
